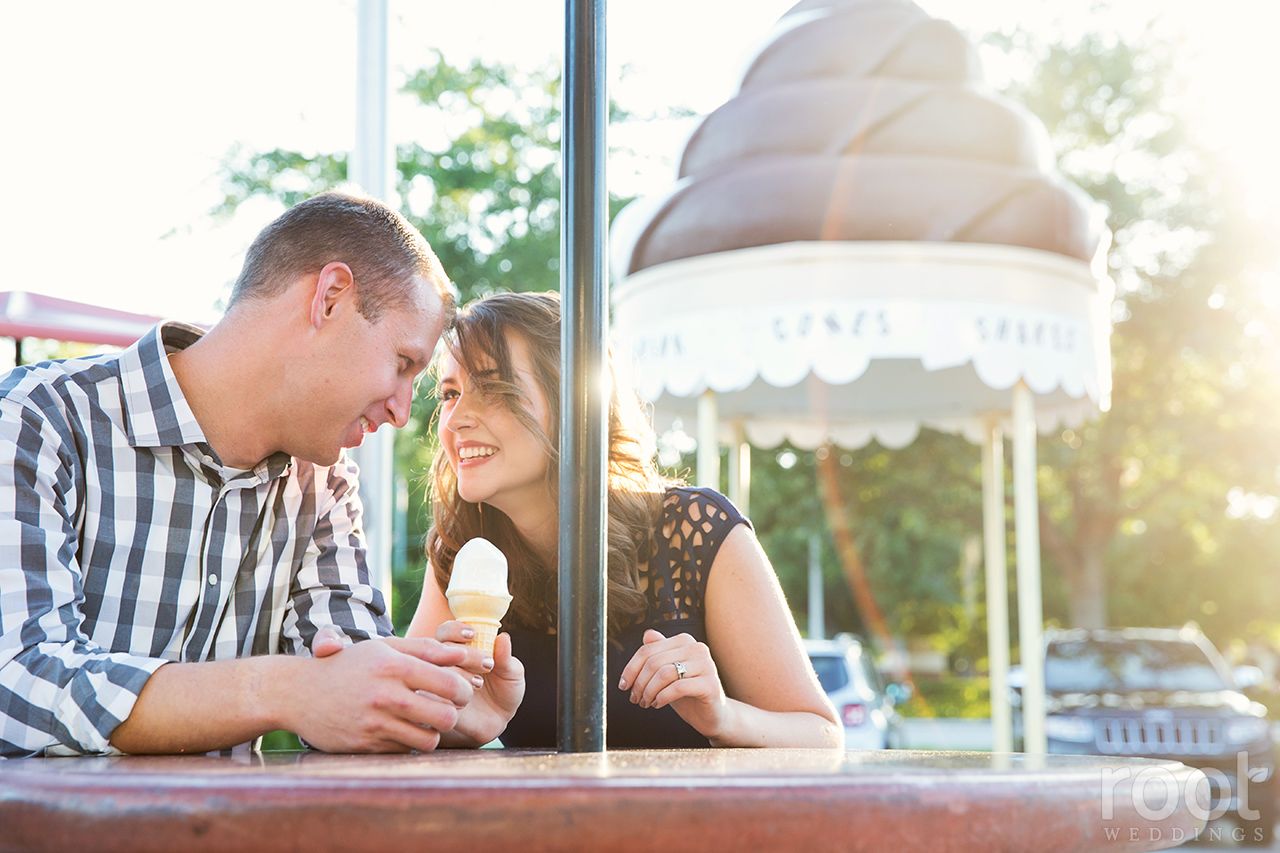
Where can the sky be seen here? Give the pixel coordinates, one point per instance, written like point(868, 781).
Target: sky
point(118, 115)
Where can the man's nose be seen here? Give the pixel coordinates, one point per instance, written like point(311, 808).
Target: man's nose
point(399, 405)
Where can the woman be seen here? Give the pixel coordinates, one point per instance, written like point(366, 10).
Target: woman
point(702, 647)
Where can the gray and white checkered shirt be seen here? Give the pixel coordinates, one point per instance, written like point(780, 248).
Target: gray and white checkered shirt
point(125, 544)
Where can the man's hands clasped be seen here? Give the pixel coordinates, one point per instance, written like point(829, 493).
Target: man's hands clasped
point(386, 695)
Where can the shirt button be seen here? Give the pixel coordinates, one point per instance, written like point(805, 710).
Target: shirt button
point(208, 460)
point(213, 580)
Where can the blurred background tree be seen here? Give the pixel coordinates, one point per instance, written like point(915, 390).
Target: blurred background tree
point(1161, 511)
point(485, 190)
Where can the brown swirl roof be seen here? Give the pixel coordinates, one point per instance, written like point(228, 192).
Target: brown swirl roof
point(861, 120)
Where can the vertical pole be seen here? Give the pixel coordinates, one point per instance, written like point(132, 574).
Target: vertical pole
point(400, 526)
point(993, 534)
point(1026, 524)
point(817, 605)
point(371, 167)
point(708, 473)
point(969, 560)
point(740, 470)
point(372, 163)
point(584, 397)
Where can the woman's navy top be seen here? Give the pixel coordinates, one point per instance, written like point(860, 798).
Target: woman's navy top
point(695, 523)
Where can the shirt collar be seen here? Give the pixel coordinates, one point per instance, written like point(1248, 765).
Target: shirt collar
point(156, 410)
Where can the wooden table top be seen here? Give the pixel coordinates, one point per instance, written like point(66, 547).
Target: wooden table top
point(663, 800)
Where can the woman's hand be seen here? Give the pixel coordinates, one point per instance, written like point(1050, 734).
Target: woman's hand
point(678, 671)
point(497, 699)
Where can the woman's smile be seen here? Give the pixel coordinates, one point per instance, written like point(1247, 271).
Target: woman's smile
point(475, 452)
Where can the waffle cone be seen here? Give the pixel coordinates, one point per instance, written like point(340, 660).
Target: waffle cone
point(486, 634)
point(483, 611)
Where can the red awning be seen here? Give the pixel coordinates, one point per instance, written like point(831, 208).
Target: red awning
point(33, 315)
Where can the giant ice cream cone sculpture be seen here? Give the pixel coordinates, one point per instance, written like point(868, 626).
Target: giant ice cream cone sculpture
point(861, 121)
point(477, 590)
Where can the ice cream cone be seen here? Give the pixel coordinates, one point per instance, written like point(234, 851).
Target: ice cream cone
point(482, 610)
point(477, 590)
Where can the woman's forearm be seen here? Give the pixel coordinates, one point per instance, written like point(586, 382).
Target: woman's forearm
point(747, 725)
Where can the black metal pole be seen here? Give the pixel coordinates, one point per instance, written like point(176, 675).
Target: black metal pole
point(583, 406)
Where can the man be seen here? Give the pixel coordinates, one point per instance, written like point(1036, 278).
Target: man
point(174, 516)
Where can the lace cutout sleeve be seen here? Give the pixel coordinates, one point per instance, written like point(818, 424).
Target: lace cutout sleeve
point(694, 526)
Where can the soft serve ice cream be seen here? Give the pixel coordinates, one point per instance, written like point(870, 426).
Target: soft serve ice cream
point(477, 590)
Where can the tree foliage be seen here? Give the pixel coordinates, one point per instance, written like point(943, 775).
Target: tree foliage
point(484, 187)
point(911, 511)
point(1136, 508)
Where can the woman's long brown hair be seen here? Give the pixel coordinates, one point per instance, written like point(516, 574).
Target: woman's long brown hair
point(478, 341)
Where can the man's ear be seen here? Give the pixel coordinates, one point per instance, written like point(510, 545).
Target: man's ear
point(335, 290)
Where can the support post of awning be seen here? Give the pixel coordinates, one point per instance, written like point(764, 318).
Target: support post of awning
point(740, 470)
point(371, 167)
point(817, 601)
point(708, 471)
point(993, 526)
point(1026, 519)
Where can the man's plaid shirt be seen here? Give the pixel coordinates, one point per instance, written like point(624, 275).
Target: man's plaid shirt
point(125, 544)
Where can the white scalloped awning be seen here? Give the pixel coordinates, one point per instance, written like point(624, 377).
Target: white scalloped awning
point(848, 341)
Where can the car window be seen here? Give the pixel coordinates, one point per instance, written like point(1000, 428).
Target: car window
point(832, 673)
point(1091, 666)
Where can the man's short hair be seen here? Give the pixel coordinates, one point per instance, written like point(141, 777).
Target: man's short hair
point(382, 249)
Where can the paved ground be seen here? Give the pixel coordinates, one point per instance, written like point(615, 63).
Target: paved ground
point(941, 733)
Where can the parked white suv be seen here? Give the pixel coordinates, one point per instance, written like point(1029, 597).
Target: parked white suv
point(849, 677)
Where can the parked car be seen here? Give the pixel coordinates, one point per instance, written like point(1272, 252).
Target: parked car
point(1163, 693)
point(863, 701)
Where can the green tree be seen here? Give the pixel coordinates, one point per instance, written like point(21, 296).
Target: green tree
point(1135, 507)
point(909, 512)
point(486, 192)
